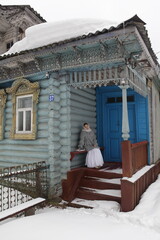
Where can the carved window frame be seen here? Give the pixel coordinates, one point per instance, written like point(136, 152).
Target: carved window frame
point(3, 98)
point(23, 87)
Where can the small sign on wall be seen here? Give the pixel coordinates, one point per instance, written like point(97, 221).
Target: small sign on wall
point(51, 98)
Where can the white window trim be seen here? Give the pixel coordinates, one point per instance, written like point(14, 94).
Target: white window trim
point(24, 110)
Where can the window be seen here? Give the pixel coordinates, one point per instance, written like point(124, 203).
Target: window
point(119, 99)
point(21, 34)
point(24, 114)
point(9, 45)
point(24, 105)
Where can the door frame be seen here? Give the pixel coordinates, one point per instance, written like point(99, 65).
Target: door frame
point(105, 120)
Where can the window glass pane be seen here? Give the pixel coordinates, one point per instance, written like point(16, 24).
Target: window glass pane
point(119, 99)
point(111, 100)
point(20, 121)
point(130, 98)
point(9, 45)
point(25, 102)
point(28, 121)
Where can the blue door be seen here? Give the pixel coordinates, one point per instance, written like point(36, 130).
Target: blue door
point(112, 127)
point(112, 132)
point(109, 120)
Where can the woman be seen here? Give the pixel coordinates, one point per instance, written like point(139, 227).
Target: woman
point(88, 142)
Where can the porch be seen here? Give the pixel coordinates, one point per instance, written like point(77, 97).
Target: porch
point(121, 182)
point(114, 102)
point(93, 184)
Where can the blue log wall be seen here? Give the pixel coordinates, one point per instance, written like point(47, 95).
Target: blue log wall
point(83, 109)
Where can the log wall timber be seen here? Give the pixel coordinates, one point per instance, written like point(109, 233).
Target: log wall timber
point(58, 133)
point(83, 109)
point(52, 143)
point(155, 119)
point(17, 152)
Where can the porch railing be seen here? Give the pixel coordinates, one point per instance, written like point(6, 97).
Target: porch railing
point(134, 157)
point(132, 190)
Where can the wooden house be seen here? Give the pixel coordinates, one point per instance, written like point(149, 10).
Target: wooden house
point(109, 78)
point(15, 19)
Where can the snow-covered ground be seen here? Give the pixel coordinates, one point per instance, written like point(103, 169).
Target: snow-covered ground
point(104, 221)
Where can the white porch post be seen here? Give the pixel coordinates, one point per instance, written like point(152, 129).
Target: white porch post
point(125, 121)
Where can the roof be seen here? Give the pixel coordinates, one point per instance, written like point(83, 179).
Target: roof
point(134, 21)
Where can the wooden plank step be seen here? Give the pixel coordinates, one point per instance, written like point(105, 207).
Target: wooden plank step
point(98, 184)
point(90, 195)
point(107, 180)
point(76, 205)
point(102, 174)
point(112, 192)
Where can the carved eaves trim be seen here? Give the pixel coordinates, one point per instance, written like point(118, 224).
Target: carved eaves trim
point(54, 57)
point(38, 64)
point(21, 67)
point(4, 73)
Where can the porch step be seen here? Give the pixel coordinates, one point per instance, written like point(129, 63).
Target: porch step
point(76, 205)
point(93, 184)
point(100, 183)
point(102, 174)
point(95, 194)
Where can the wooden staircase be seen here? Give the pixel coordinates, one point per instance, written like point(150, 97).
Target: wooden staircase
point(92, 184)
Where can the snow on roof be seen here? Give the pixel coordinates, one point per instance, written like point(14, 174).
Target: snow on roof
point(48, 33)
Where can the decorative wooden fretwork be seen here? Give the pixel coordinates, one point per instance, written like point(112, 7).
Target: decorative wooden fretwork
point(136, 81)
point(2, 106)
point(95, 78)
point(63, 59)
point(20, 88)
point(109, 76)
